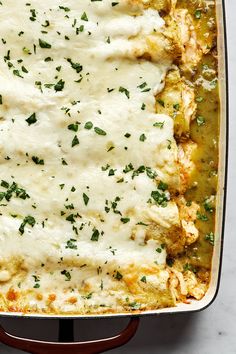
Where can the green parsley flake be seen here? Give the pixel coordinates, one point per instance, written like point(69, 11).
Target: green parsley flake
point(201, 217)
point(99, 131)
point(118, 275)
point(86, 199)
point(160, 198)
point(142, 137)
point(44, 44)
point(59, 85)
point(75, 141)
point(76, 66)
point(95, 235)
point(32, 119)
point(71, 244)
point(125, 91)
point(66, 274)
point(37, 160)
point(200, 121)
point(159, 125)
point(84, 17)
point(210, 238)
point(198, 14)
point(125, 220)
point(88, 125)
point(74, 127)
point(30, 220)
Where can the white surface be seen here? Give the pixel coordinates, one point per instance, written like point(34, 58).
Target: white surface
point(208, 332)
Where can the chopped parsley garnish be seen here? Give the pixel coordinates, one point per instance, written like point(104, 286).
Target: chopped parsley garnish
point(189, 267)
point(159, 125)
point(80, 29)
point(105, 168)
point(144, 87)
point(4, 184)
point(143, 107)
point(74, 127)
point(17, 73)
point(160, 198)
point(32, 119)
point(150, 173)
point(26, 51)
point(87, 297)
point(176, 106)
point(37, 160)
point(142, 137)
point(86, 199)
point(125, 220)
point(66, 274)
point(71, 218)
point(59, 85)
point(84, 17)
point(128, 168)
point(88, 125)
point(66, 9)
point(170, 261)
point(63, 162)
point(118, 275)
point(143, 279)
point(199, 99)
point(162, 186)
point(125, 91)
point(208, 206)
point(200, 121)
point(161, 102)
point(44, 44)
point(201, 217)
point(13, 190)
point(210, 238)
point(99, 131)
point(134, 305)
point(111, 172)
point(37, 280)
point(75, 141)
point(46, 24)
point(76, 66)
point(95, 235)
point(198, 14)
point(30, 220)
point(71, 244)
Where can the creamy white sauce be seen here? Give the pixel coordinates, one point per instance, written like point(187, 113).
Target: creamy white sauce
point(116, 93)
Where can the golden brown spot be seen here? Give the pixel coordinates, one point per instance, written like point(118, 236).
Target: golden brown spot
point(12, 295)
point(72, 300)
point(51, 297)
point(39, 297)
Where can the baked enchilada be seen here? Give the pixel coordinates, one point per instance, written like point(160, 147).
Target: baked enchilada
point(108, 136)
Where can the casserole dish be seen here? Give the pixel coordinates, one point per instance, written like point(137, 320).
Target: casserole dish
point(36, 347)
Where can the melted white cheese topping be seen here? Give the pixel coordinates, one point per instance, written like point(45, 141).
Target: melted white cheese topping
point(79, 134)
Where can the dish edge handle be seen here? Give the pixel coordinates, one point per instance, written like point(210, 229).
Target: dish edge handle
point(90, 347)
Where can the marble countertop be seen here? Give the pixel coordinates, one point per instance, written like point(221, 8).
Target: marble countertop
point(209, 332)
